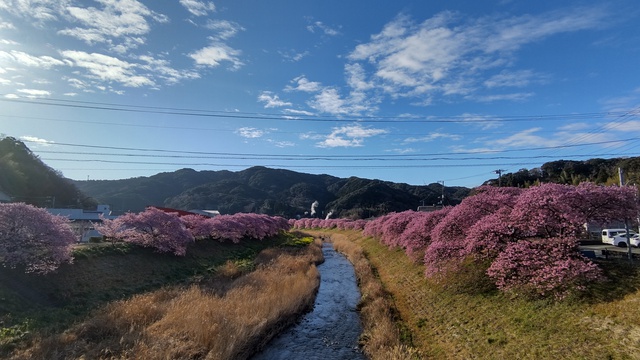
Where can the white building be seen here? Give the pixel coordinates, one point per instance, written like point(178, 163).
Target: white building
point(82, 221)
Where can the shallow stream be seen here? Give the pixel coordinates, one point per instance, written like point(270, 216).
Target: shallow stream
point(331, 330)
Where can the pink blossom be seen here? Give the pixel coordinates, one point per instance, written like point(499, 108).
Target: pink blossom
point(32, 237)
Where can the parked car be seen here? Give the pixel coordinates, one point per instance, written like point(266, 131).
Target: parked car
point(620, 240)
point(608, 234)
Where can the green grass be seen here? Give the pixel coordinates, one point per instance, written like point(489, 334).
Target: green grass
point(105, 272)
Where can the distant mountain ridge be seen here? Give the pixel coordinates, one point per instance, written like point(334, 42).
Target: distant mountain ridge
point(269, 191)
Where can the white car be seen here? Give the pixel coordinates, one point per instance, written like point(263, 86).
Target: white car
point(620, 240)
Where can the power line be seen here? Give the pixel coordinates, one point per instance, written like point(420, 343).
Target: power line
point(288, 166)
point(312, 158)
point(340, 156)
point(298, 117)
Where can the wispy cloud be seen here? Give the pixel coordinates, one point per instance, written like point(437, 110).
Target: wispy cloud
point(518, 78)
point(198, 8)
point(281, 144)
point(449, 55)
point(120, 24)
point(432, 137)
point(107, 68)
point(223, 29)
point(34, 93)
point(22, 58)
point(37, 140)
point(320, 27)
point(250, 132)
point(349, 136)
point(272, 101)
point(301, 83)
point(213, 55)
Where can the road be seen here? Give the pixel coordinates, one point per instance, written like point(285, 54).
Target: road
point(613, 250)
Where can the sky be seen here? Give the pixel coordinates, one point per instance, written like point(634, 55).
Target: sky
point(413, 92)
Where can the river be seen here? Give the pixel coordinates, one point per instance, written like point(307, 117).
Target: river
point(331, 330)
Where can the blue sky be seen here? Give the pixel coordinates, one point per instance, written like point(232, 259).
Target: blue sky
point(405, 91)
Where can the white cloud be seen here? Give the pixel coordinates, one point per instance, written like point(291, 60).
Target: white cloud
point(224, 29)
point(272, 101)
point(37, 140)
point(432, 137)
point(198, 8)
point(281, 144)
point(250, 132)
point(216, 53)
point(449, 54)
point(304, 85)
point(403, 150)
point(6, 25)
point(22, 58)
point(107, 68)
point(294, 56)
point(124, 21)
point(574, 127)
point(12, 96)
point(519, 78)
point(5, 81)
point(503, 97)
point(319, 26)
point(329, 101)
point(39, 10)
point(349, 136)
point(624, 126)
point(162, 69)
point(34, 93)
point(528, 138)
point(298, 112)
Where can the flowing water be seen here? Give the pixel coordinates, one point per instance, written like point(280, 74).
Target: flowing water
point(332, 329)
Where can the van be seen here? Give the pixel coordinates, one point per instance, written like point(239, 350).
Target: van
point(608, 234)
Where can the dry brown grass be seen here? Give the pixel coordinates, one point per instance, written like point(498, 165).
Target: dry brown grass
point(198, 322)
point(381, 336)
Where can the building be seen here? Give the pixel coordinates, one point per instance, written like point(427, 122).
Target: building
point(82, 221)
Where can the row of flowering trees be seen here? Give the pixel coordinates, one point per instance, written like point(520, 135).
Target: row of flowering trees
point(527, 237)
point(169, 233)
point(39, 241)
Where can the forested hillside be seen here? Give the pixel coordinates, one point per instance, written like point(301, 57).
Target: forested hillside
point(571, 172)
point(25, 178)
point(268, 191)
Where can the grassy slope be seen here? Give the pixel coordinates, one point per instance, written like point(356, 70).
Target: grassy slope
point(446, 324)
point(102, 273)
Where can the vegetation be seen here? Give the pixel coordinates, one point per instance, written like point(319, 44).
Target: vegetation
point(382, 338)
point(25, 178)
point(524, 240)
point(572, 172)
point(266, 191)
point(36, 305)
point(222, 317)
point(32, 238)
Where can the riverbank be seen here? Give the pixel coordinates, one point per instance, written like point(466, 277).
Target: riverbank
point(448, 320)
point(228, 315)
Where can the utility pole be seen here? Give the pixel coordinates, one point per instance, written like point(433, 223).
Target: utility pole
point(442, 196)
point(626, 222)
point(499, 172)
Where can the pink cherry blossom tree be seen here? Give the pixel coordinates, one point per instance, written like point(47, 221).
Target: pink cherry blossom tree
point(33, 238)
point(153, 228)
point(543, 267)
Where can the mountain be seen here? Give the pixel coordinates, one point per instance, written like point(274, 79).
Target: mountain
point(25, 178)
point(598, 171)
point(269, 191)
